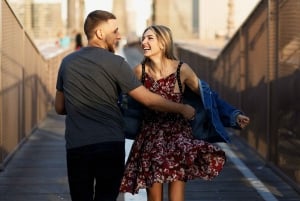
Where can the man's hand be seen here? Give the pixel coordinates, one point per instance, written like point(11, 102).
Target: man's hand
point(242, 120)
point(188, 112)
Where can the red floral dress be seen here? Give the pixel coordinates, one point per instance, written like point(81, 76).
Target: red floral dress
point(165, 150)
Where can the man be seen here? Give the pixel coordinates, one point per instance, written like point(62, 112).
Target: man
point(88, 84)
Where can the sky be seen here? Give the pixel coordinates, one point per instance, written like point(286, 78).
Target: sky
point(91, 5)
point(141, 8)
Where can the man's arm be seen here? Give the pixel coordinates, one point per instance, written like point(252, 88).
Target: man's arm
point(156, 102)
point(60, 103)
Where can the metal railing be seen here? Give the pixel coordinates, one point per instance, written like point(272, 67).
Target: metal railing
point(259, 72)
point(27, 83)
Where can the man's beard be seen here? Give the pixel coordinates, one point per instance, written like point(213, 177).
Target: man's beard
point(111, 49)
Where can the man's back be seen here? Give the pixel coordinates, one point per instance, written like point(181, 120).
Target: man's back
point(92, 79)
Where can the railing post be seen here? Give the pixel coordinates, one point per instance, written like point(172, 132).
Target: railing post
point(271, 77)
point(1, 127)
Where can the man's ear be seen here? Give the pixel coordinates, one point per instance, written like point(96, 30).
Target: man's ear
point(99, 34)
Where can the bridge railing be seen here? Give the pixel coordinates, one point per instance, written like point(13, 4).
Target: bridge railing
point(27, 83)
point(259, 72)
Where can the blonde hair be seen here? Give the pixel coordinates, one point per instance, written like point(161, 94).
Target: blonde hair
point(164, 36)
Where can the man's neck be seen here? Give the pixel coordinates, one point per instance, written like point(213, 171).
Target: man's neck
point(93, 43)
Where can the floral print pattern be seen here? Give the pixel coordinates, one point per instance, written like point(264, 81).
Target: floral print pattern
point(165, 150)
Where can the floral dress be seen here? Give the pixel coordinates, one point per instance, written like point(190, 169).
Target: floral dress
point(165, 150)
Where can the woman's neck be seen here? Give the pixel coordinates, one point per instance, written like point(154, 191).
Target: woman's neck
point(159, 63)
point(160, 68)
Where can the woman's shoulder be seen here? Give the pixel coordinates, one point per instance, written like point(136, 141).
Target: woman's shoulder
point(185, 68)
point(184, 64)
point(189, 75)
point(138, 70)
point(138, 67)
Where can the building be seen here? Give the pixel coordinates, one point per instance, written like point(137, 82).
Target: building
point(40, 20)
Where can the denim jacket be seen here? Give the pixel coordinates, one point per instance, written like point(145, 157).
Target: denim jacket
point(212, 115)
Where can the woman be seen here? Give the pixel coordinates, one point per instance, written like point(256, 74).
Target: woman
point(78, 41)
point(165, 150)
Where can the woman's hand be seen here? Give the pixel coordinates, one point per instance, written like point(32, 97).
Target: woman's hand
point(242, 120)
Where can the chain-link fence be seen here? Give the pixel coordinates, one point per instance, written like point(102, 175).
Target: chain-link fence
point(259, 72)
point(27, 83)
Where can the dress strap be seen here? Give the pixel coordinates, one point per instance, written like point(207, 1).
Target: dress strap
point(143, 73)
point(178, 76)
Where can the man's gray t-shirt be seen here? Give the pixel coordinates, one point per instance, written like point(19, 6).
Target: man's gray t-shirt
point(91, 80)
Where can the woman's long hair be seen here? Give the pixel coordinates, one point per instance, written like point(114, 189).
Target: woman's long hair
point(164, 36)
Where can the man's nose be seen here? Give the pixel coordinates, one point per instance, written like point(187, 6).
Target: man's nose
point(119, 36)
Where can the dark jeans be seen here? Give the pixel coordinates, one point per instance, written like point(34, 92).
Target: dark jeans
point(95, 171)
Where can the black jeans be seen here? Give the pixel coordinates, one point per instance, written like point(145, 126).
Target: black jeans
point(95, 171)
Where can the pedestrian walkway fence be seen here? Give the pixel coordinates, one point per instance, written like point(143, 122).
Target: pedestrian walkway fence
point(27, 83)
point(259, 71)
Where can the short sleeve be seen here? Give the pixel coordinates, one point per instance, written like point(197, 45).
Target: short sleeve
point(126, 78)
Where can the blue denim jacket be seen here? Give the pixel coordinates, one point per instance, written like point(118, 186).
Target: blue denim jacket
point(212, 115)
